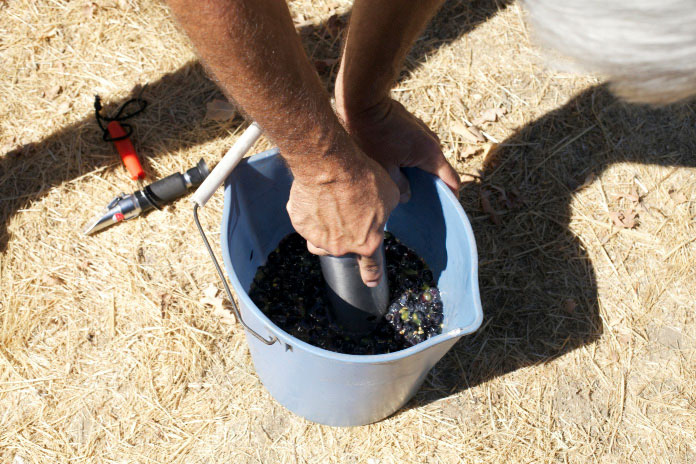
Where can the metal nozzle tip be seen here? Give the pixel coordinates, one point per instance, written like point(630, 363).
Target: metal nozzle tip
point(92, 228)
point(100, 223)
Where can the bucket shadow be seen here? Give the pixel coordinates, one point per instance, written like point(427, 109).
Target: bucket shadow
point(538, 288)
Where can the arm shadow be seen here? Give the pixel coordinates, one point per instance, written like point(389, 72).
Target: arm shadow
point(173, 120)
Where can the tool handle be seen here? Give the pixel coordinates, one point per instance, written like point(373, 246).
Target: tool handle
point(166, 190)
point(126, 150)
point(233, 156)
point(176, 185)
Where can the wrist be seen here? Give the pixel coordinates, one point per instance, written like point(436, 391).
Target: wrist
point(352, 100)
point(323, 155)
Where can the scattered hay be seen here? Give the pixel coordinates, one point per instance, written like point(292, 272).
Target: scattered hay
point(110, 352)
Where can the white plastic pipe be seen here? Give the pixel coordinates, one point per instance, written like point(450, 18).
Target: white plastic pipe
point(233, 156)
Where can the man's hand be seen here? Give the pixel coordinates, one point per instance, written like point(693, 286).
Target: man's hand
point(344, 211)
point(395, 138)
point(340, 199)
point(379, 35)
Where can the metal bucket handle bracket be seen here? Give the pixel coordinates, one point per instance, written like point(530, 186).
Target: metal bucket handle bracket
point(235, 309)
point(206, 190)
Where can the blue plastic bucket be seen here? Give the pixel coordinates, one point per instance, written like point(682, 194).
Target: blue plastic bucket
point(324, 386)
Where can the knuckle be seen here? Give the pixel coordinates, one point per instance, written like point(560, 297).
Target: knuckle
point(292, 211)
point(373, 243)
point(336, 247)
point(313, 249)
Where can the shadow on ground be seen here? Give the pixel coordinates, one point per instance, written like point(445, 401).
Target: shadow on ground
point(529, 265)
point(538, 288)
point(169, 124)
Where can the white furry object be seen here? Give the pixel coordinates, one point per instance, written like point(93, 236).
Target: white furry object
point(646, 48)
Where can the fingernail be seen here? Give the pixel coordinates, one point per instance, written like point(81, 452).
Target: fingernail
point(372, 283)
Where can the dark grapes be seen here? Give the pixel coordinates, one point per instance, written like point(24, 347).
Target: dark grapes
point(289, 289)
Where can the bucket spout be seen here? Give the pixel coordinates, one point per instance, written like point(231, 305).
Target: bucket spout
point(355, 306)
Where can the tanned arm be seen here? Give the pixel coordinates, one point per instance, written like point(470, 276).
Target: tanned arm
point(340, 198)
point(379, 36)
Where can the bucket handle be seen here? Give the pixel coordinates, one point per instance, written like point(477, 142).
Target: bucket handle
point(235, 309)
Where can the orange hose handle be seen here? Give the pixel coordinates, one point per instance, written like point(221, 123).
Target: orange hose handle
point(126, 150)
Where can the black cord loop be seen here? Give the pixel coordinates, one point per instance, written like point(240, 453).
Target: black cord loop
point(121, 115)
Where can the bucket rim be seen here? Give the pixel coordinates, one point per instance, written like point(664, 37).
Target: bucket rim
point(292, 341)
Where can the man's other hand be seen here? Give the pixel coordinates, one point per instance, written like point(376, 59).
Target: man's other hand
point(395, 138)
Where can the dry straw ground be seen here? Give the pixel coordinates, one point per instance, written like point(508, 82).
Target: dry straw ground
point(107, 353)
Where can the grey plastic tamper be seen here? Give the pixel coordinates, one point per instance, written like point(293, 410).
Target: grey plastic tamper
point(355, 306)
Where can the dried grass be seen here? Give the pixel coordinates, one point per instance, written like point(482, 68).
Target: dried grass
point(108, 355)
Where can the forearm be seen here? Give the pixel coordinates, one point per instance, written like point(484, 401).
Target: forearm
point(253, 52)
point(379, 36)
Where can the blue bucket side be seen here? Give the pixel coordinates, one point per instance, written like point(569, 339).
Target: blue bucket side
point(341, 393)
point(256, 192)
